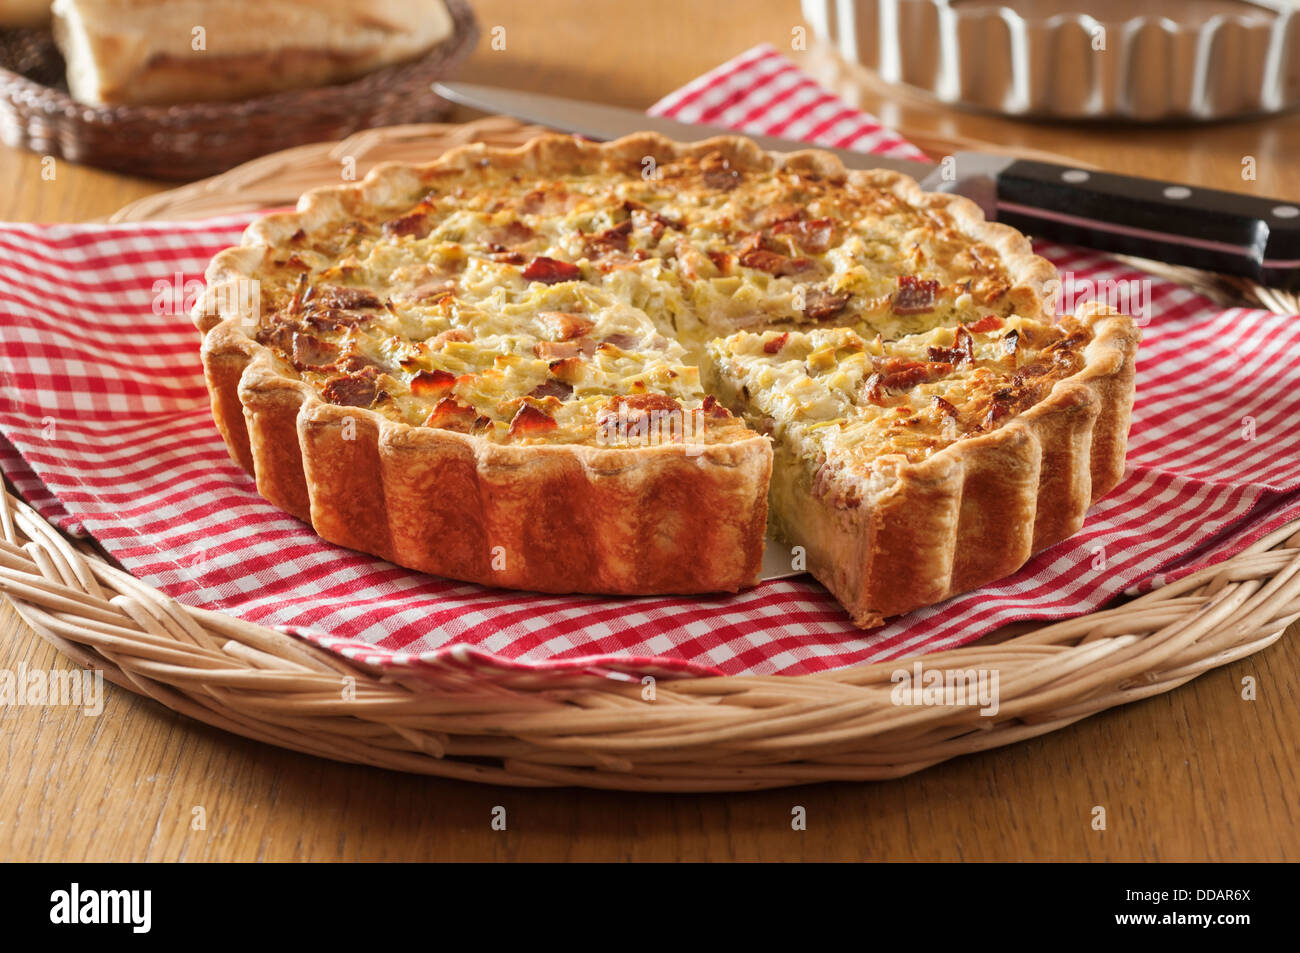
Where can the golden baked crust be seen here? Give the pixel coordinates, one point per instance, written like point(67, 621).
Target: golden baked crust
point(564, 511)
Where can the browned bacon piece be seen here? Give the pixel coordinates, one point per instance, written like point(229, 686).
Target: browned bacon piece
point(897, 374)
point(944, 406)
point(754, 255)
point(552, 388)
point(962, 350)
point(774, 346)
point(612, 239)
point(551, 271)
point(417, 224)
point(451, 414)
point(712, 408)
point(352, 390)
point(721, 260)
point(821, 305)
point(346, 299)
point(529, 420)
point(914, 295)
point(624, 342)
point(430, 383)
point(814, 236)
point(311, 351)
point(990, 322)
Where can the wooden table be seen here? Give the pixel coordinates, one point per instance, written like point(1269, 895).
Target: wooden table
point(1197, 773)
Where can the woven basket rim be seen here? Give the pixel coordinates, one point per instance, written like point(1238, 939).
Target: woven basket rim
point(697, 734)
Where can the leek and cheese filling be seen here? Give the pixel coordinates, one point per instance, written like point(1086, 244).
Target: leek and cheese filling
point(845, 412)
point(537, 310)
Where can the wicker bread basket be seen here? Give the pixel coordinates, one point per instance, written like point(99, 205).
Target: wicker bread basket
point(524, 729)
point(194, 140)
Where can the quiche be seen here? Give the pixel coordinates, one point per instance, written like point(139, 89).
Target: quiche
point(582, 367)
point(866, 479)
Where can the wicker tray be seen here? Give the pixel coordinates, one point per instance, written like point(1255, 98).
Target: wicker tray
point(695, 734)
point(189, 141)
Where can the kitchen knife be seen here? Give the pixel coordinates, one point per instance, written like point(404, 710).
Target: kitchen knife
point(1184, 225)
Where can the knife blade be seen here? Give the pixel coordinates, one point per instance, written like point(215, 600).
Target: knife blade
point(600, 122)
point(1228, 232)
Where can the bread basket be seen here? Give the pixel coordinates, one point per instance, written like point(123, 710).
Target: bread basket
point(193, 140)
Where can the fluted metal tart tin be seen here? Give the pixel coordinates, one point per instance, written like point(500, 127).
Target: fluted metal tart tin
point(1072, 59)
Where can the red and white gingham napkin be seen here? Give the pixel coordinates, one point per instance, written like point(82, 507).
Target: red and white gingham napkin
point(108, 432)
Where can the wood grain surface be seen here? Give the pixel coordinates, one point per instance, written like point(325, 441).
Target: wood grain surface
point(1197, 773)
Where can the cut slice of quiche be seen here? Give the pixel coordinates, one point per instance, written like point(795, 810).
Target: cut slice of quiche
point(915, 469)
point(488, 367)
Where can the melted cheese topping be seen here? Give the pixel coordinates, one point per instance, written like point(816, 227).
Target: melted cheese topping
point(543, 310)
point(850, 410)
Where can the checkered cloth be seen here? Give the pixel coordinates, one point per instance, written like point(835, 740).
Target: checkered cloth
point(108, 432)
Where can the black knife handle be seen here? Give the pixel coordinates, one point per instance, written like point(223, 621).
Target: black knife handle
point(1184, 225)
